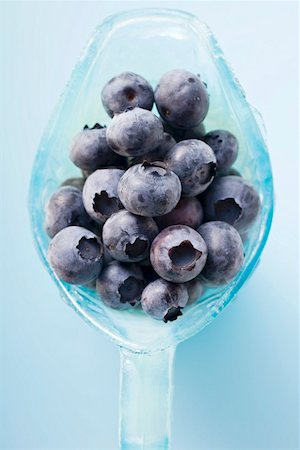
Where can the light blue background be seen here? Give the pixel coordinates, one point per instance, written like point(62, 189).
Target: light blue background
point(236, 383)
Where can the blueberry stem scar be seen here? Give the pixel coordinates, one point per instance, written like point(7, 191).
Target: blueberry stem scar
point(172, 314)
point(88, 248)
point(184, 255)
point(104, 204)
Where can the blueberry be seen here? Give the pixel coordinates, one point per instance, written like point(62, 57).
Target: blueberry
point(77, 182)
point(120, 285)
point(164, 300)
point(127, 90)
point(225, 146)
point(90, 150)
point(188, 211)
point(159, 153)
point(178, 253)
point(195, 164)
point(225, 253)
point(181, 99)
point(100, 194)
point(134, 132)
point(76, 255)
point(180, 134)
point(233, 200)
point(65, 208)
point(128, 237)
point(149, 189)
point(195, 289)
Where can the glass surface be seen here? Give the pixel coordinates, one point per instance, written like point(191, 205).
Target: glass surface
point(150, 42)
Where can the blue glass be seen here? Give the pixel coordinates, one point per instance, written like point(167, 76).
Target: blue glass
point(150, 42)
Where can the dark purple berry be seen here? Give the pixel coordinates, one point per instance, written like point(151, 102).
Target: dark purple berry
point(233, 200)
point(195, 164)
point(163, 300)
point(181, 99)
point(134, 132)
point(225, 146)
point(100, 194)
point(126, 90)
point(188, 211)
point(120, 285)
point(76, 255)
point(90, 150)
point(178, 253)
point(128, 237)
point(149, 189)
point(65, 208)
point(225, 253)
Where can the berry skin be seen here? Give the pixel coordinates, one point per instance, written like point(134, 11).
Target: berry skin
point(75, 182)
point(159, 153)
point(127, 90)
point(180, 134)
point(225, 253)
point(134, 132)
point(76, 255)
point(163, 300)
point(233, 200)
point(195, 290)
point(65, 208)
point(149, 189)
point(100, 194)
point(90, 150)
point(181, 99)
point(195, 164)
point(188, 211)
point(178, 253)
point(128, 237)
point(120, 285)
point(225, 146)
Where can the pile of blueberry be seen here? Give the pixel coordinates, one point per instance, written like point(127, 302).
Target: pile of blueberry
point(159, 211)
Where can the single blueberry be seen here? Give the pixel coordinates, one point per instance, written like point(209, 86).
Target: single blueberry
point(163, 300)
point(134, 132)
point(178, 253)
point(76, 255)
point(188, 211)
point(195, 164)
point(149, 189)
point(159, 153)
point(120, 285)
point(127, 90)
point(225, 146)
point(128, 237)
point(100, 194)
point(233, 200)
point(225, 253)
point(181, 99)
point(195, 289)
point(90, 150)
point(77, 182)
point(65, 208)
